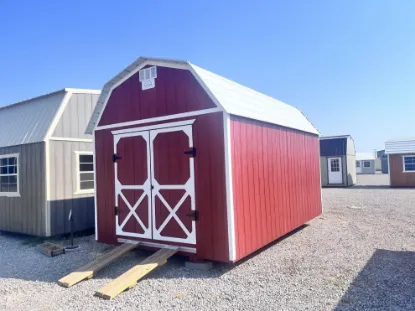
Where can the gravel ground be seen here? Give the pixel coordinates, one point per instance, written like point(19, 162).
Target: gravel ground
point(359, 255)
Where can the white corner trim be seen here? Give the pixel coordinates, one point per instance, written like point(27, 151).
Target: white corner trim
point(152, 127)
point(86, 140)
point(17, 193)
point(46, 139)
point(229, 187)
point(158, 119)
point(95, 189)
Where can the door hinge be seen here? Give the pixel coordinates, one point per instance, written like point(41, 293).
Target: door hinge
point(194, 214)
point(115, 210)
point(115, 158)
point(191, 152)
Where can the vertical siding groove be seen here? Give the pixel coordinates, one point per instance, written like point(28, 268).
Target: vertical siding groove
point(276, 182)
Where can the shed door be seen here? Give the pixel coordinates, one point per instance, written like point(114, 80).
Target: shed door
point(154, 184)
point(358, 167)
point(335, 170)
point(132, 185)
point(173, 196)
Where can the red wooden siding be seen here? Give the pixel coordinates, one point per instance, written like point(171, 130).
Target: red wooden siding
point(276, 182)
point(397, 177)
point(211, 229)
point(176, 91)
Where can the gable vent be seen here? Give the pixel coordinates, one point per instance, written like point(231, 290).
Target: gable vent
point(147, 77)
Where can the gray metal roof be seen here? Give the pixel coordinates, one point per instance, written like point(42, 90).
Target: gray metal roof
point(29, 121)
point(397, 146)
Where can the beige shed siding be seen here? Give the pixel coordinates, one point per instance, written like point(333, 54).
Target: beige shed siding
point(76, 116)
point(351, 150)
point(63, 187)
point(324, 171)
point(351, 170)
point(26, 214)
point(351, 162)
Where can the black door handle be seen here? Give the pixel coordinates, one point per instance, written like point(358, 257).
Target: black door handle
point(191, 152)
point(194, 214)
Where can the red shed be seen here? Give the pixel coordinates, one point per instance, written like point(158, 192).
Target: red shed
point(188, 158)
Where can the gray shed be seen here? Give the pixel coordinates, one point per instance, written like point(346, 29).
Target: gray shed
point(46, 163)
point(337, 161)
point(365, 163)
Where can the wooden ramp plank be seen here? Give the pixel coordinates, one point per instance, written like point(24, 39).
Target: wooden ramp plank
point(90, 269)
point(132, 276)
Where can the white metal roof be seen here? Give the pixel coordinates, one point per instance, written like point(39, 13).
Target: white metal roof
point(365, 156)
point(397, 146)
point(28, 121)
point(232, 97)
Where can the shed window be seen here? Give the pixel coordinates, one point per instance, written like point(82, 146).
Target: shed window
point(366, 163)
point(409, 163)
point(357, 163)
point(9, 184)
point(335, 165)
point(85, 167)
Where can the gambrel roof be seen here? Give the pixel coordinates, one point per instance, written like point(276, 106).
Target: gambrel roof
point(30, 121)
point(232, 97)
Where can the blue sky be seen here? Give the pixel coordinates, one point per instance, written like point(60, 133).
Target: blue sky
point(348, 65)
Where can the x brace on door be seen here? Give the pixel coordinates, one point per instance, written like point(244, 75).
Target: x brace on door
point(151, 189)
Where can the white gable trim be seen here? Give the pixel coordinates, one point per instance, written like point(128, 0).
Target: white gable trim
point(169, 64)
point(83, 91)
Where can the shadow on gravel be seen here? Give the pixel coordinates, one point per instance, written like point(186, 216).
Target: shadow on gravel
point(31, 265)
point(370, 187)
point(387, 282)
point(381, 187)
point(179, 271)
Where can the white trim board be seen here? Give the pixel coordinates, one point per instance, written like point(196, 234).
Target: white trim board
point(152, 127)
point(82, 140)
point(153, 244)
point(159, 119)
point(229, 187)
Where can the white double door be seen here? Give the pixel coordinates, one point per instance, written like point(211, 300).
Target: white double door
point(154, 184)
point(335, 170)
